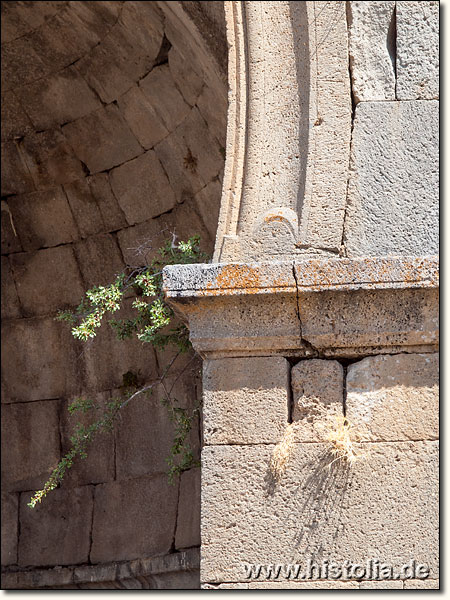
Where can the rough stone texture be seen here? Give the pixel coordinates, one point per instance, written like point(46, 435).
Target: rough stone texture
point(10, 527)
point(45, 355)
point(236, 392)
point(107, 358)
point(56, 532)
point(207, 207)
point(150, 194)
point(393, 203)
point(125, 55)
point(187, 80)
point(84, 208)
point(9, 298)
point(145, 451)
point(386, 506)
point(102, 139)
point(395, 397)
point(381, 585)
point(61, 98)
point(87, 89)
point(108, 262)
point(422, 584)
point(159, 87)
point(353, 321)
point(417, 50)
point(191, 156)
point(188, 522)
point(30, 444)
point(150, 501)
point(372, 50)
point(112, 215)
point(317, 387)
point(47, 280)
point(304, 585)
point(142, 118)
point(16, 178)
point(31, 212)
point(49, 159)
point(99, 466)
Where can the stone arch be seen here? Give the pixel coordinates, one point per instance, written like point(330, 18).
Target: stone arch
point(113, 139)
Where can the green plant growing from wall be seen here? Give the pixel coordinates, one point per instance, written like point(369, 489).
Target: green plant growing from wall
point(151, 324)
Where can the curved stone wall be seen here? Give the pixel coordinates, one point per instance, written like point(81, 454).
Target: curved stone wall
point(114, 120)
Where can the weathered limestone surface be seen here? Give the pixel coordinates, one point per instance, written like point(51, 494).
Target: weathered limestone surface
point(47, 280)
point(417, 50)
point(142, 118)
point(9, 298)
point(30, 444)
point(422, 584)
point(57, 533)
point(30, 214)
point(94, 139)
point(100, 465)
point(188, 522)
point(318, 392)
point(44, 372)
point(149, 501)
point(237, 391)
point(395, 397)
point(150, 194)
point(381, 585)
point(393, 187)
point(372, 49)
point(10, 526)
point(385, 507)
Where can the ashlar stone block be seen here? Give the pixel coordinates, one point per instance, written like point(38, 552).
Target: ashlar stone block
point(394, 181)
point(417, 50)
point(385, 506)
point(318, 394)
point(245, 400)
point(149, 501)
point(395, 397)
point(30, 444)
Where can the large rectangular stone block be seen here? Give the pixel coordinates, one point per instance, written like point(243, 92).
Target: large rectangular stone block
point(56, 532)
point(30, 444)
point(318, 394)
point(372, 50)
point(99, 466)
point(99, 259)
point(245, 400)
point(188, 519)
point(50, 159)
point(57, 99)
point(84, 208)
point(395, 397)
point(40, 359)
point(9, 298)
point(393, 187)
point(417, 50)
point(142, 118)
point(150, 195)
point(149, 501)
point(31, 216)
point(112, 215)
point(160, 89)
point(102, 139)
point(384, 507)
point(10, 528)
point(47, 280)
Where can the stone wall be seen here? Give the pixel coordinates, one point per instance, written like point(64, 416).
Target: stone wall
point(113, 140)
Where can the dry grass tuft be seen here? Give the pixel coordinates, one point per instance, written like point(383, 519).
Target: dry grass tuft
point(282, 453)
point(344, 438)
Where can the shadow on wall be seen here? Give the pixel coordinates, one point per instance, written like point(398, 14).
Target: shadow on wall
point(114, 121)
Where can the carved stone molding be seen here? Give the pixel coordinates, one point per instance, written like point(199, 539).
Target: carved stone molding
point(329, 307)
point(289, 125)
